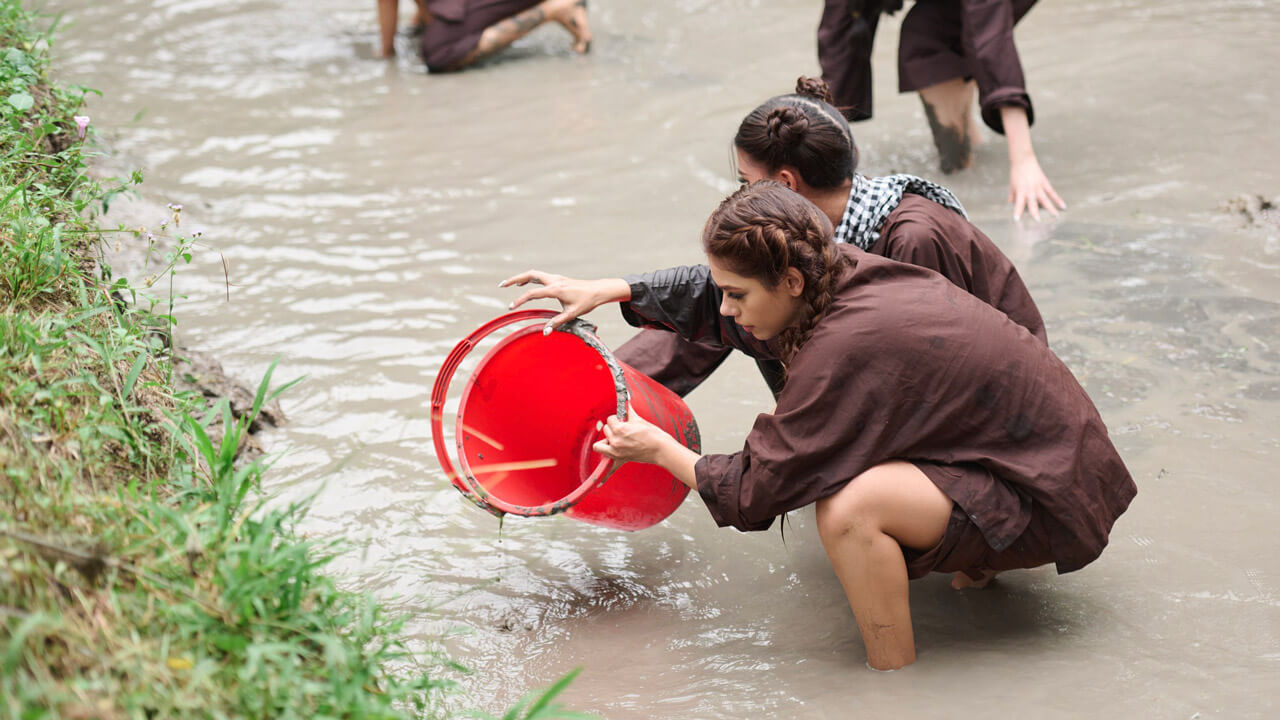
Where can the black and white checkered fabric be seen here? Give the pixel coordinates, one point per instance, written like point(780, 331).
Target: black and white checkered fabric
point(872, 199)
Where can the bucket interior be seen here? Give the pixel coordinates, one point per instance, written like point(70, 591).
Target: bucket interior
point(527, 418)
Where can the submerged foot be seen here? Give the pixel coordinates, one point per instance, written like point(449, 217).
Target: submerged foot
point(572, 14)
point(955, 148)
point(960, 580)
point(954, 142)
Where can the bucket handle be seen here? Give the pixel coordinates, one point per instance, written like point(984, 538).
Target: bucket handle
point(468, 485)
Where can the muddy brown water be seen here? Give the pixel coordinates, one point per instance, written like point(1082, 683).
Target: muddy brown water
point(368, 210)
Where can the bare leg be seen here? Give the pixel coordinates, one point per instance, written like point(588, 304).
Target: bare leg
point(975, 121)
point(863, 528)
point(421, 17)
point(949, 108)
point(572, 14)
point(388, 15)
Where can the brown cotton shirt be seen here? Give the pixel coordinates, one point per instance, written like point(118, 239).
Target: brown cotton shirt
point(924, 233)
point(906, 366)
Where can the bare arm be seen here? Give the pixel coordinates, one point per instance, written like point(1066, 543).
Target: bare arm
point(1029, 188)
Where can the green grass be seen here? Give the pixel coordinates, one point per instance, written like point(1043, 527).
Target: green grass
point(142, 573)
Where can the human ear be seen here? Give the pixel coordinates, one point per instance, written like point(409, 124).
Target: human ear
point(794, 282)
point(788, 178)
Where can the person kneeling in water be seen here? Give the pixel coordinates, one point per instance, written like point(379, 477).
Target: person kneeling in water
point(456, 33)
point(931, 431)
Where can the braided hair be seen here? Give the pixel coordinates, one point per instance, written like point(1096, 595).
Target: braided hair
point(762, 230)
point(804, 131)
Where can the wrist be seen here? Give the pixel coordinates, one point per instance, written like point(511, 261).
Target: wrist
point(612, 290)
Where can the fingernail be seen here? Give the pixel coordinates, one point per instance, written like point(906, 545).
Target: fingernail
point(599, 425)
point(511, 305)
point(546, 330)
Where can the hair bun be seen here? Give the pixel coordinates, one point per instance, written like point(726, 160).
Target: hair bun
point(786, 126)
point(815, 88)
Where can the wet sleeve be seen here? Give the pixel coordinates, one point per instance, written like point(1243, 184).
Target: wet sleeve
point(678, 364)
point(685, 300)
point(829, 427)
point(682, 299)
point(988, 43)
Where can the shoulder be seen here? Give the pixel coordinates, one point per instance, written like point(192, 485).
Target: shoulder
point(922, 231)
point(917, 216)
point(878, 293)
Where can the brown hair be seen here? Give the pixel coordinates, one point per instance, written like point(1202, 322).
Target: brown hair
point(763, 229)
point(802, 130)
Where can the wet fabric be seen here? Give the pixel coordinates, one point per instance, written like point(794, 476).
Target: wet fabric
point(918, 231)
point(677, 364)
point(907, 366)
point(456, 26)
point(963, 549)
point(940, 40)
point(872, 199)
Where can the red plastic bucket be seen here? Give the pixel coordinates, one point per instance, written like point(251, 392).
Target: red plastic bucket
point(527, 420)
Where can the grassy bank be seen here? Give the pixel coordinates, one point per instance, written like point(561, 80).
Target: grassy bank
point(140, 573)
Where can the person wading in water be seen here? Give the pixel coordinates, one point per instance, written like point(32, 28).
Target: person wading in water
point(455, 33)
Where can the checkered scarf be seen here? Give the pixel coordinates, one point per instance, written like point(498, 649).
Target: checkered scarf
point(872, 199)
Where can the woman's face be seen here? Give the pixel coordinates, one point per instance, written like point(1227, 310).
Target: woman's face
point(764, 312)
point(749, 170)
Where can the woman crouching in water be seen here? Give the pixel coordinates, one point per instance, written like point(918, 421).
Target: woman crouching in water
point(933, 433)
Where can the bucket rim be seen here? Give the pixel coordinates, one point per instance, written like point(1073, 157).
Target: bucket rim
point(603, 469)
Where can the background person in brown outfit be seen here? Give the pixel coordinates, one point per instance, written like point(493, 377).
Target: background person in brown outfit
point(933, 433)
point(802, 141)
point(949, 50)
point(456, 33)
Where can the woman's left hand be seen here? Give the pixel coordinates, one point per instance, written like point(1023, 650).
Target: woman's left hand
point(634, 439)
point(1030, 189)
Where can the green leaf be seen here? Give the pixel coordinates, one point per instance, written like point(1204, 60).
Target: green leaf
point(228, 643)
point(21, 101)
point(133, 375)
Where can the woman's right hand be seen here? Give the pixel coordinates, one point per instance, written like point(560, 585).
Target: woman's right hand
point(577, 297)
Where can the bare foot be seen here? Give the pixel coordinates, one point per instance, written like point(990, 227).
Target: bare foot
point(960, 580)
point(572, 14)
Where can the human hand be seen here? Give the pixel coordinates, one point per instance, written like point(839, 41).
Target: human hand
point(577, 297)
point(632, 440)
point(1030, 189)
